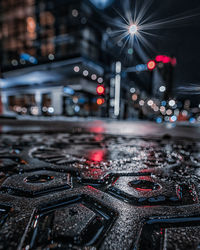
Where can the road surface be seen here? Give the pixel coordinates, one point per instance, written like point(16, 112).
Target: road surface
point(99, 185)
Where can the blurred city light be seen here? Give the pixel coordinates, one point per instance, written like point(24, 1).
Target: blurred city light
point(68, 90)
point(51, 57)
point(151, 65)
point(75, 99)
point(50, 110)
point(192, 120)
point(34, 110)
point(169, 112)
point(172, 103)
point(159, 120)
point(184, 112)
point(163, 103)
point(162, 109)
point(133, 29)
point(132, 90)
point(141, 102)
point(150, 103)
point(28, 58)
point(166, 59)
point(93, 77)
point(173, 118)
point(76, 69)
point(130, 51)
point(85, 73)
point(100, 101)
point(134, 97)
point(75, 13)
point(77, 108)
point(100, 90)
point(141, 67)
point(162, 88)
point(100, 80)
point(118, 69)
point(159, 58)
point(155, 108)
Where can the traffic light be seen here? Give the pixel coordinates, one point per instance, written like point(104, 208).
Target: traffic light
point(100, 101)
point(101, 92)
point(151, 65)
point(100, 89)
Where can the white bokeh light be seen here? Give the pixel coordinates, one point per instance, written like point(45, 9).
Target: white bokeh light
point(162, 88)
point(172, 103)
point(133, 29)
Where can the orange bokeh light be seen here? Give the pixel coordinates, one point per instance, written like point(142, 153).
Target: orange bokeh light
point(100, 101)
point(31, 25)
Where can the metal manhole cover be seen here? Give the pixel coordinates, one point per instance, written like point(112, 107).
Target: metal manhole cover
point(98, 191)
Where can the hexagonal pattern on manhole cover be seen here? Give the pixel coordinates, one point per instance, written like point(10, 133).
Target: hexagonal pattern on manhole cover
point(76, 221)
point(98, 191)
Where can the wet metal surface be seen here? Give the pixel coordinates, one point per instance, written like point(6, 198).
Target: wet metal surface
point(91, 189)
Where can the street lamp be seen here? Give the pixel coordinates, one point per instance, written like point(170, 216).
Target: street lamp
point(133, 29)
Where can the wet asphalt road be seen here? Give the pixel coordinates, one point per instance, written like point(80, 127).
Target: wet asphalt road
point(99, 185)
point(133, 128)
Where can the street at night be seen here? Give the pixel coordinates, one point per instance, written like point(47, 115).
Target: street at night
point(99, 125)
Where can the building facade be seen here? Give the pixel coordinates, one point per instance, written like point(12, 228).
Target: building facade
point(52, 58)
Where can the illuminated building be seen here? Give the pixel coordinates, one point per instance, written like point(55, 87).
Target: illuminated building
point(50, 55)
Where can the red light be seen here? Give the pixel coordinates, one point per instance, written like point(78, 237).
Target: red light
point(151, 65)
point(100, 90)
point(166, 59)
point(159, 58)
point(97, 128)
point(100, 101)
point(97, 155)
point(173, 61)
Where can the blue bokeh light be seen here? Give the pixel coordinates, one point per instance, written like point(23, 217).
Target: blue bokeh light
point(159, 120)
point(192, 120)
point(163, 103)
point(68, 90)
point(173, 118)
point(28, 58)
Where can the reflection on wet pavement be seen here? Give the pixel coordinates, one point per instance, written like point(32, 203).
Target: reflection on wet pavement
point(95, 190)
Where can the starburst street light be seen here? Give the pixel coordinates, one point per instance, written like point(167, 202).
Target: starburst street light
point(133, 29)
